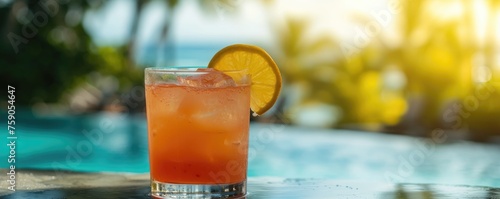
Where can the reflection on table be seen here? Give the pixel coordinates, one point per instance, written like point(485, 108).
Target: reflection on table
point(48, 184)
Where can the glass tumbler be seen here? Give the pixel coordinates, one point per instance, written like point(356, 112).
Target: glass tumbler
point(198, 123)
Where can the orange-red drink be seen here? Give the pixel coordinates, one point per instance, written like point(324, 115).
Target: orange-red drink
point(198, 124)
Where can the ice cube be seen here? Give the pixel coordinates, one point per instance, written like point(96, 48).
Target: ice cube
point(212, 79)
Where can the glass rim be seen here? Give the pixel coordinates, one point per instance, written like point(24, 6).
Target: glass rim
point(186, 69)
point(153, 75)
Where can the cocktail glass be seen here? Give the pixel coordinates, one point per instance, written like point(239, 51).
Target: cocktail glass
point(198, 123)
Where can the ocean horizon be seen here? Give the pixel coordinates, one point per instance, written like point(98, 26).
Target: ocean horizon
point(177, 54)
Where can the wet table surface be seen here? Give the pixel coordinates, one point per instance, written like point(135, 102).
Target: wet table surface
point(65, 185)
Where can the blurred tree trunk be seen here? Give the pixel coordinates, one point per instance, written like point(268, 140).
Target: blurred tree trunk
point(166, 50)
point(130, 49)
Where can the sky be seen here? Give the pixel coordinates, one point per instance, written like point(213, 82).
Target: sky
point(251, 21)
point(190, 24)
point(239, 22)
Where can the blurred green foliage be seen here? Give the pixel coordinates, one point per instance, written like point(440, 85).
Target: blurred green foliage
point(354, 83)
point(46, 52)
point(47, 64)
point(436, 54)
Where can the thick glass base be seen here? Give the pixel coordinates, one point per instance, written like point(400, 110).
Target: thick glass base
point(169, 190)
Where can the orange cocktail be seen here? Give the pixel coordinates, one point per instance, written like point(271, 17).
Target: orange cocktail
point(198, 124)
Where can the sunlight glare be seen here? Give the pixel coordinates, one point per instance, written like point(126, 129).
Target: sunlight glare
point(446, 10)
point(480, 20)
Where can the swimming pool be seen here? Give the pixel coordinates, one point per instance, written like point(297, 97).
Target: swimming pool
point(106, 142)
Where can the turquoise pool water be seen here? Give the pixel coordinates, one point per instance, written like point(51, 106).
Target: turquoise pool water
point(118, 143)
